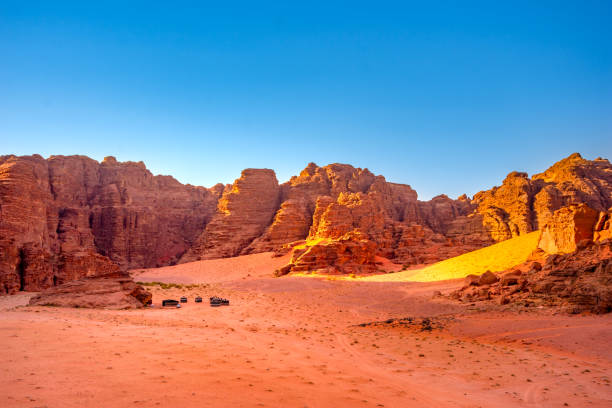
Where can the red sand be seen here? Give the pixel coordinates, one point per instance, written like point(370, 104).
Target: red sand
point(293, 342)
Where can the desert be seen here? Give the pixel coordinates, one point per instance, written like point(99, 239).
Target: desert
point(295, 341)
point(370, 299)
point(321, 204)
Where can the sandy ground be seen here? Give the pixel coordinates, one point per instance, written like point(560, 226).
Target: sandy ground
point(295, 342)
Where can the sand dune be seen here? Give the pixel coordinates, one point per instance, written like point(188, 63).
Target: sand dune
point(494, 258)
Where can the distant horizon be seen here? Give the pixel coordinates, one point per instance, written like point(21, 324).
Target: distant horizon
point(281, 181)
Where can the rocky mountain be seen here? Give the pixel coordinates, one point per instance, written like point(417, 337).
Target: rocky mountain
point(572, 268)
point(414, 232)
point(64, 218)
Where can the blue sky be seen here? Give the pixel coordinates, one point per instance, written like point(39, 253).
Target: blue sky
point(447, 96)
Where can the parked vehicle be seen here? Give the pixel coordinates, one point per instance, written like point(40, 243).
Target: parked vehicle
point(169, 302)
point(217, 301)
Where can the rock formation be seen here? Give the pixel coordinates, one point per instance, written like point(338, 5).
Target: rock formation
point(110, 291)
point(523, 205)
point(351, 252)
point(573, 269)
point(243, 213)
point(69, 216)
point(603, 226)
point(580, 281)
point(567, 228)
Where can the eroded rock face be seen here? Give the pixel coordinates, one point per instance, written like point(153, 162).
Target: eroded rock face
point(140, 219)
point(352, 252)
point(243, 213)
point(291, 223)
point(506, 210)
point(603, 226)
point(580, 281)
point(59, 211)
point(413, 232)
point(522, 205)
point(110, 291)
point(69, 216)
point(567, 228)
point(385, 216)
point(572, 268)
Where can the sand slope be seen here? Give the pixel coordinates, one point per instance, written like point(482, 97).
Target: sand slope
point(214, 270)
point(495, 258)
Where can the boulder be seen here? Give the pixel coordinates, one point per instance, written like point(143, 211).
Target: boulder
point(471, 280)
point(511, 278)
point(111, 291)
point(487, 278)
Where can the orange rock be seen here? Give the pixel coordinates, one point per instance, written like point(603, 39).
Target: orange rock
point(567, 228)
point(243, 213)
point(65, 215)
point(110, 291)
point(291, 223)
point(68, 208)
point(603, 227)
point(352, 252)
point(487, 278)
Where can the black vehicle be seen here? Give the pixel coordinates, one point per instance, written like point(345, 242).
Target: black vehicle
point(170, 302)
point(183, 299)
point(217, 301)
point(198, 299)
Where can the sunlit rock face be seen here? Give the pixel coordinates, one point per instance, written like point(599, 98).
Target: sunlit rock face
point(415, 232)
point(523, 205)
point(382, 218)
point(69, 216)
point(351, 252)
point(567, 227)
point(571, 270)
point(603, 226)
point(506, 210)
point(291, 223)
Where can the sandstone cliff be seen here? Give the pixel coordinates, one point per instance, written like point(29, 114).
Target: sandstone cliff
point(523, 205)
point(69, 216)
point(243, 213)
point(414, 232)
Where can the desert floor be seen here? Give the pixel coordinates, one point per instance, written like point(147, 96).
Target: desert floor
point(299, 342)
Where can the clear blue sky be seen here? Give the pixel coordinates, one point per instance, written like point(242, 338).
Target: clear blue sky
point(445, 96)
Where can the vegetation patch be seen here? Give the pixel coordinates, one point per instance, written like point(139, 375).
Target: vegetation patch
point(163, 285)
point(419, 323)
